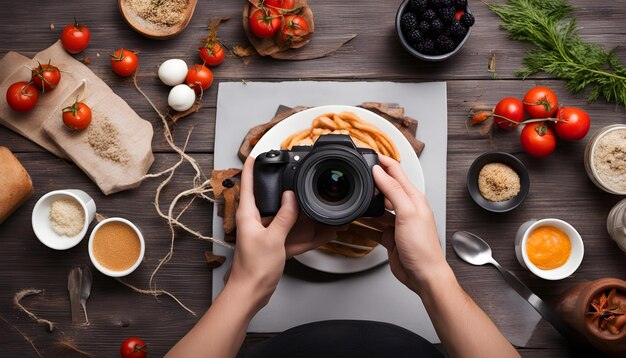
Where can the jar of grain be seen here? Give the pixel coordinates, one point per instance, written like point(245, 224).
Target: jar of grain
point(616, 224)
point(605, 159)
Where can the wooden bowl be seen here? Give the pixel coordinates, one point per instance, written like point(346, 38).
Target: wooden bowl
point(143, 27)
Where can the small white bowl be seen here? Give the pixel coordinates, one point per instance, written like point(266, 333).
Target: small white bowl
point(561, 272)
point(42, 227)
point(105, 270)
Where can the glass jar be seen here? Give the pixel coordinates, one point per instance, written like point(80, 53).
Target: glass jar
point(616, 224)
point(592, 167)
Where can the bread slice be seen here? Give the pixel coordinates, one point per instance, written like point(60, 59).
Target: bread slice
point(15, 184)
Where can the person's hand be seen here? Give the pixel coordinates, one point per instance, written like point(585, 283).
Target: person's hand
point(307, 235)
point(260, 252)
point(415, 254)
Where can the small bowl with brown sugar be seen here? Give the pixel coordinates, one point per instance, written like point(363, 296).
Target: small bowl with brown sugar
point(61, 218)
point(116, 247)
point(498, 181)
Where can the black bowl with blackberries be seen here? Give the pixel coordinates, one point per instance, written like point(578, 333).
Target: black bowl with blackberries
point(434, 30)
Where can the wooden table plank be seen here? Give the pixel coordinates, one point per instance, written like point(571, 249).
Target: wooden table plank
point(559, 185)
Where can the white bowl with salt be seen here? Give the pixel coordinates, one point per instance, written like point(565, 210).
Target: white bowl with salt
point(61, 218)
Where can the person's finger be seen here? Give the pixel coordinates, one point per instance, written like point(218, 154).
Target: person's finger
point(393, 168)
point(286, 216)
point(388, 204)
point(393, 191)
point(247, 206)
point(388, 239)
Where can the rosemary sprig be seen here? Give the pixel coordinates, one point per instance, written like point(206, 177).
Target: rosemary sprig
point(560, 51)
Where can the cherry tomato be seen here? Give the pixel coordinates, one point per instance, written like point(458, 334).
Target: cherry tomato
point(75, 37)
point(511, 108)
point(540, 102)
point(77, 116)
point(538, 139)
point(199, 78)
point(133, 347)
point(265, 22)
point(576, 125)
point(212, 55)
point(295, 28)
point(124, 62)
point(46, 77)
point(281, 4)
point(22, 96)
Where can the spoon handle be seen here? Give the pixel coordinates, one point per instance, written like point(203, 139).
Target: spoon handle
point(538, 304)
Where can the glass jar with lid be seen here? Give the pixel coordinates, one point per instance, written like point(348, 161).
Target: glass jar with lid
point(616, 224)
point(605, 159)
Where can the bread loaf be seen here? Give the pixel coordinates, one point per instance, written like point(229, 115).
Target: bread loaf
point(15, 184)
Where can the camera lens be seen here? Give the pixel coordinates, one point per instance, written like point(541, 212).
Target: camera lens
point(333, 186)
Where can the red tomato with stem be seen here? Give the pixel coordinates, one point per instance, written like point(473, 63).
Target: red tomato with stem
point(538, 139)
point(265, 22)
point(199, 77)
point(77, 116)
point(508, 108)
point(572, 124)
point(46, 77)
point(295, 28)
point(124, 62)
point(133, 347)
point(75, 37)
point(22, 96)
point(281, 4)
point(540, 102)
point(212, 54)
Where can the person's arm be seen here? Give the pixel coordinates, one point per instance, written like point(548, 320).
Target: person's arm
point(258, 264)
point(416, 259)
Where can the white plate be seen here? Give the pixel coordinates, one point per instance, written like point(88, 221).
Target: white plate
point(408, 160)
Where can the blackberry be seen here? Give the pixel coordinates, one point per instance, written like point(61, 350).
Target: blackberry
point(427, 47)
point(446, 14)
point(435, 3)
point(418, 6)
point(415, 36)
point(467, 19)
point(460, 4)
point(447, 3)
point(457, 31)
point(444, 44)
point(424, 27)
point(429, 15)
point(408, 22)
point(436, 27)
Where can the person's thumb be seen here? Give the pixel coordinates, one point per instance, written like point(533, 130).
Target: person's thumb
point(286, 216)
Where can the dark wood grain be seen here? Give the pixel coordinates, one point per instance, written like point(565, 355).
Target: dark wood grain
point(559, 185)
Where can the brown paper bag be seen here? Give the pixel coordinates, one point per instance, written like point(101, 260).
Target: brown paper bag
point(44, 125)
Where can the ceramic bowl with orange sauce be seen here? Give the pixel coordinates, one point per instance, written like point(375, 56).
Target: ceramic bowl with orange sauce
point(550, 248)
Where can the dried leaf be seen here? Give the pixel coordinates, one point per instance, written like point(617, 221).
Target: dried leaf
point(213, 260)
point(491, 66)
point(241, 51)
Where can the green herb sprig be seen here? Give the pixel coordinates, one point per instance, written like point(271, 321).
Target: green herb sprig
point(560, 51)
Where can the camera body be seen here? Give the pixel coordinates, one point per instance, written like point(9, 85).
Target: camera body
point(332, 180)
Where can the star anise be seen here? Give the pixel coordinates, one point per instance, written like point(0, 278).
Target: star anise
point(607, 310)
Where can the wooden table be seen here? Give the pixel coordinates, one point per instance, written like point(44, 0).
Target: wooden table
point(560, 187)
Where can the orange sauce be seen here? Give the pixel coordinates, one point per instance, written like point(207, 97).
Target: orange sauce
point(548, 247)
point(116, 246)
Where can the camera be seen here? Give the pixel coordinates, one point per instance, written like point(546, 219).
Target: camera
point(332, 180)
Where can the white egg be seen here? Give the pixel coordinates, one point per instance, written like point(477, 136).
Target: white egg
point(173, 72)
point(181, 98)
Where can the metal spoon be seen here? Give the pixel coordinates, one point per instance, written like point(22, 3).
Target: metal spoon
point(474, 250)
